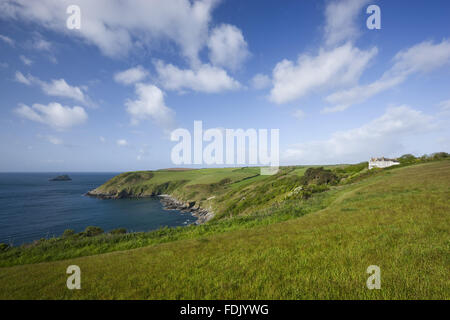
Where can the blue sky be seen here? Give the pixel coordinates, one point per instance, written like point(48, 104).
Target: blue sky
point(106, 97)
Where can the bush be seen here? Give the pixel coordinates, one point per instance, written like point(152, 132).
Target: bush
point(118, 231)
point(306, 192)
point(406, 159)
point(315, 188)
point(68, 233)
point(92, 231)
point(439, 155)
point(4, 246)
point(319, 176)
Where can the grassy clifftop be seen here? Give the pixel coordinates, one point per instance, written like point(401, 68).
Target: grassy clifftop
point(398, 220)
point(227, 192)
point(147, 183)
point(186, 185)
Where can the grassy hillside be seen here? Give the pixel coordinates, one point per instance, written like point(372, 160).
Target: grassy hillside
point(228, 192)
point(238, 202)
point(397, 219)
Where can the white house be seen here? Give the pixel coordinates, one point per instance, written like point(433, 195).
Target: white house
point(382, 163)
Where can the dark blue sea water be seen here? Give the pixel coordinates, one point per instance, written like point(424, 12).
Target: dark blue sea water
point(31, 208)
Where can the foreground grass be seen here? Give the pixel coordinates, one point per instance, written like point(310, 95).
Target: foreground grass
point(398, 220)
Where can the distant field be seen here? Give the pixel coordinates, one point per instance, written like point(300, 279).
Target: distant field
point(397, 219)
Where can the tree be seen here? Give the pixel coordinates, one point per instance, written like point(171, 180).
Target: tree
point(407, 158)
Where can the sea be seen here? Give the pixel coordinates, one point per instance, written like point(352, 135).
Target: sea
point(32, 207)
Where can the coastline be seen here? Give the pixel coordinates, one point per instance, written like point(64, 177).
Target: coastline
point(168, 202)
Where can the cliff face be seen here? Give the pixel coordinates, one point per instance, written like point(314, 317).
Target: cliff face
point(170, 203)
point(116, 194)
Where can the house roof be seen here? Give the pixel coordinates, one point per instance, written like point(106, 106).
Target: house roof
point(382, 159)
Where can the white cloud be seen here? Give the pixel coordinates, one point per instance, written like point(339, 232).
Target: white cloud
point(299, 114)
point(115, 26)
point(344, 99)
point(25, 60)
point(341, 23)
point(337, 64)
point(444, 107)
point(39, 43)
point(150, 105)
point(42, 44)
point(142, 153)
point(60, 88)
point(132, 75)
point(102, 139)
point(260, 81)
point(54, 115)
point(421, 58)
point(56, 88)
point(7, 40)
point(227, 46)
point(54, 140)
point(330, 68)
point(382, 136)
point(122, 142)
point(206, 78)
point(19, 77)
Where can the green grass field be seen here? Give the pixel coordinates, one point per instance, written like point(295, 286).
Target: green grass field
point(396, 219)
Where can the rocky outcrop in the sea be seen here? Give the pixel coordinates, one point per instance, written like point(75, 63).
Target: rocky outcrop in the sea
point(63, 177)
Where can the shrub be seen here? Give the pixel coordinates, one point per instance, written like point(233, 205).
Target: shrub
point(406, 159)
point(315, 188)
point(439, 155)
point(4, 246)
point(68, 233)
point(306, 192)
point(92, 231)
point(319, 176)
point(351, 169)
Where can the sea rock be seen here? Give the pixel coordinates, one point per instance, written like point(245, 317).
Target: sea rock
point(63, 177)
